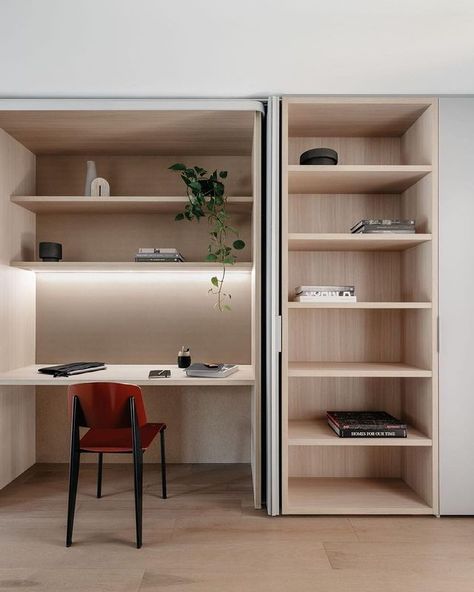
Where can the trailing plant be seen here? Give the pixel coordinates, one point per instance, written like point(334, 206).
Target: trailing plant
point(207, 199)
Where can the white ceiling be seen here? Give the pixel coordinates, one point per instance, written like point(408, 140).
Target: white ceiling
point(128, 48)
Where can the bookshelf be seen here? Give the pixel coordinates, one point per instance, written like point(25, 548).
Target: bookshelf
point(98, 303)
point(381, 352)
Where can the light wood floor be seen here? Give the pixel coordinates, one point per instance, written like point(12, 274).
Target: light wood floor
point(207, 537)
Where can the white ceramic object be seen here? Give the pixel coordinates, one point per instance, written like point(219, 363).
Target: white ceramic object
point(100, 188)
point(91, 174)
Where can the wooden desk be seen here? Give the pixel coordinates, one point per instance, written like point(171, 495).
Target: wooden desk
point(130, 373)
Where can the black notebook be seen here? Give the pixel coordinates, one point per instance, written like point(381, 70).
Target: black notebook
point(72, 369)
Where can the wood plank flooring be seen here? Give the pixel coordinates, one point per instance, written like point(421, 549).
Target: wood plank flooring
point(207, 537)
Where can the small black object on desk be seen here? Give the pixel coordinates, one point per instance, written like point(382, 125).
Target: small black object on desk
point(184, 358)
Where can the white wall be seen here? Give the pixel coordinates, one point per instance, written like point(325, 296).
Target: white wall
point(117, 48)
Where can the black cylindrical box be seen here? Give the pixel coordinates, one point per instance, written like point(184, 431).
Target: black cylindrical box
point(50, 251)
point(319, 156)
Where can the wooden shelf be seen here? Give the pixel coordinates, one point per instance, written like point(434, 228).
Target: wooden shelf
point(313, 495)
point(354, 242)
point(117, 266)
point(115, 204)
point(355, 369)
point(157, 130)
point(360, 305)
point(354, 178)
point(317, 433)
point(363, 117)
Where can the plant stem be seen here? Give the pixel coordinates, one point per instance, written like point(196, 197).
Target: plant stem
point(219, 291)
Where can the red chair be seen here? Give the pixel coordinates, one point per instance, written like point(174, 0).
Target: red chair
point(116, 416)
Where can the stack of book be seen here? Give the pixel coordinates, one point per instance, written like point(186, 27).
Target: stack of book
point(325, 294)
point(384, 226)
point(366, 424)
point(161, 255)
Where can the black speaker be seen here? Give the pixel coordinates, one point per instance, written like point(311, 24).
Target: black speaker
point(319, 156)
point(50, 251)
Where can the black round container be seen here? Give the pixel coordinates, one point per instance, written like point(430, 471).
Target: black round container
point(319, 156)
point(50, 251)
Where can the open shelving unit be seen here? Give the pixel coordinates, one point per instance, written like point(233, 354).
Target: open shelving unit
point(379, 353)
point(98, 303)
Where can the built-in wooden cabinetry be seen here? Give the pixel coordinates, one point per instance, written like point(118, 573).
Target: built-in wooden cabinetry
point(381, 352)
point(98, 303)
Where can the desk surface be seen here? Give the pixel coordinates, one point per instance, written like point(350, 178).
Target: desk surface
point(131, 373)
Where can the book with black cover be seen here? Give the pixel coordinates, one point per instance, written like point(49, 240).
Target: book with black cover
point(366, 424)
point(72, 369)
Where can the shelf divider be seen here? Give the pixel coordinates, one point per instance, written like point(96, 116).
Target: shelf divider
point(73, 204)
point(315, 179)
point(359, 305)
point(355, 369)
point(316, 432)
point(345, 495)
point(131, 266)
point(299, 241)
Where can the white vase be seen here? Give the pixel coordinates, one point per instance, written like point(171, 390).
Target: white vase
point(91, 174)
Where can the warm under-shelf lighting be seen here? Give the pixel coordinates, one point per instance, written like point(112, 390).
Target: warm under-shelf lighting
point(191, 280)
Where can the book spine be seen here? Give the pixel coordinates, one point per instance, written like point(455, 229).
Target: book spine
point(148, 251)
point(158, 260)
point(379, 433)
point(151, 255)
point(327, 293)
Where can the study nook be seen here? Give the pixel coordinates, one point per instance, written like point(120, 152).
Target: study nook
point(131, 283)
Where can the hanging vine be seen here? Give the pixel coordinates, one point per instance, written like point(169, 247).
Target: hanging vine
point(207, 199)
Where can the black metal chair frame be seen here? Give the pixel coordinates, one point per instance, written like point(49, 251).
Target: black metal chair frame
point(137, 452)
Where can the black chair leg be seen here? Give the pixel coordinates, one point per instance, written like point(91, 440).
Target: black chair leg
point(74, 460)
point(137, 471)
point(99, 474)
point(138, 480)
point(163, 465)
point(71, 507)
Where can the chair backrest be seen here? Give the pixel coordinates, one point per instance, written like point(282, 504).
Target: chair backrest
point(106, 404)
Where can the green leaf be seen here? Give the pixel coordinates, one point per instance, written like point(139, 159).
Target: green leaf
point(195, 185)
point(215, 281)
point(211, 257)
point(179, 216)
point(229, 260)
point(178, 166)
point(226, 307)
point(223, 174)
point(238, 244)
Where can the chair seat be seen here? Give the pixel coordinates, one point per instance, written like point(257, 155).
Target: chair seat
point(118, 439)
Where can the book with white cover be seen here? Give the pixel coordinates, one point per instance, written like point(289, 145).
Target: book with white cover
point(161, 250)
point(325, 290)
point(211, 370)
point(342, 299)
